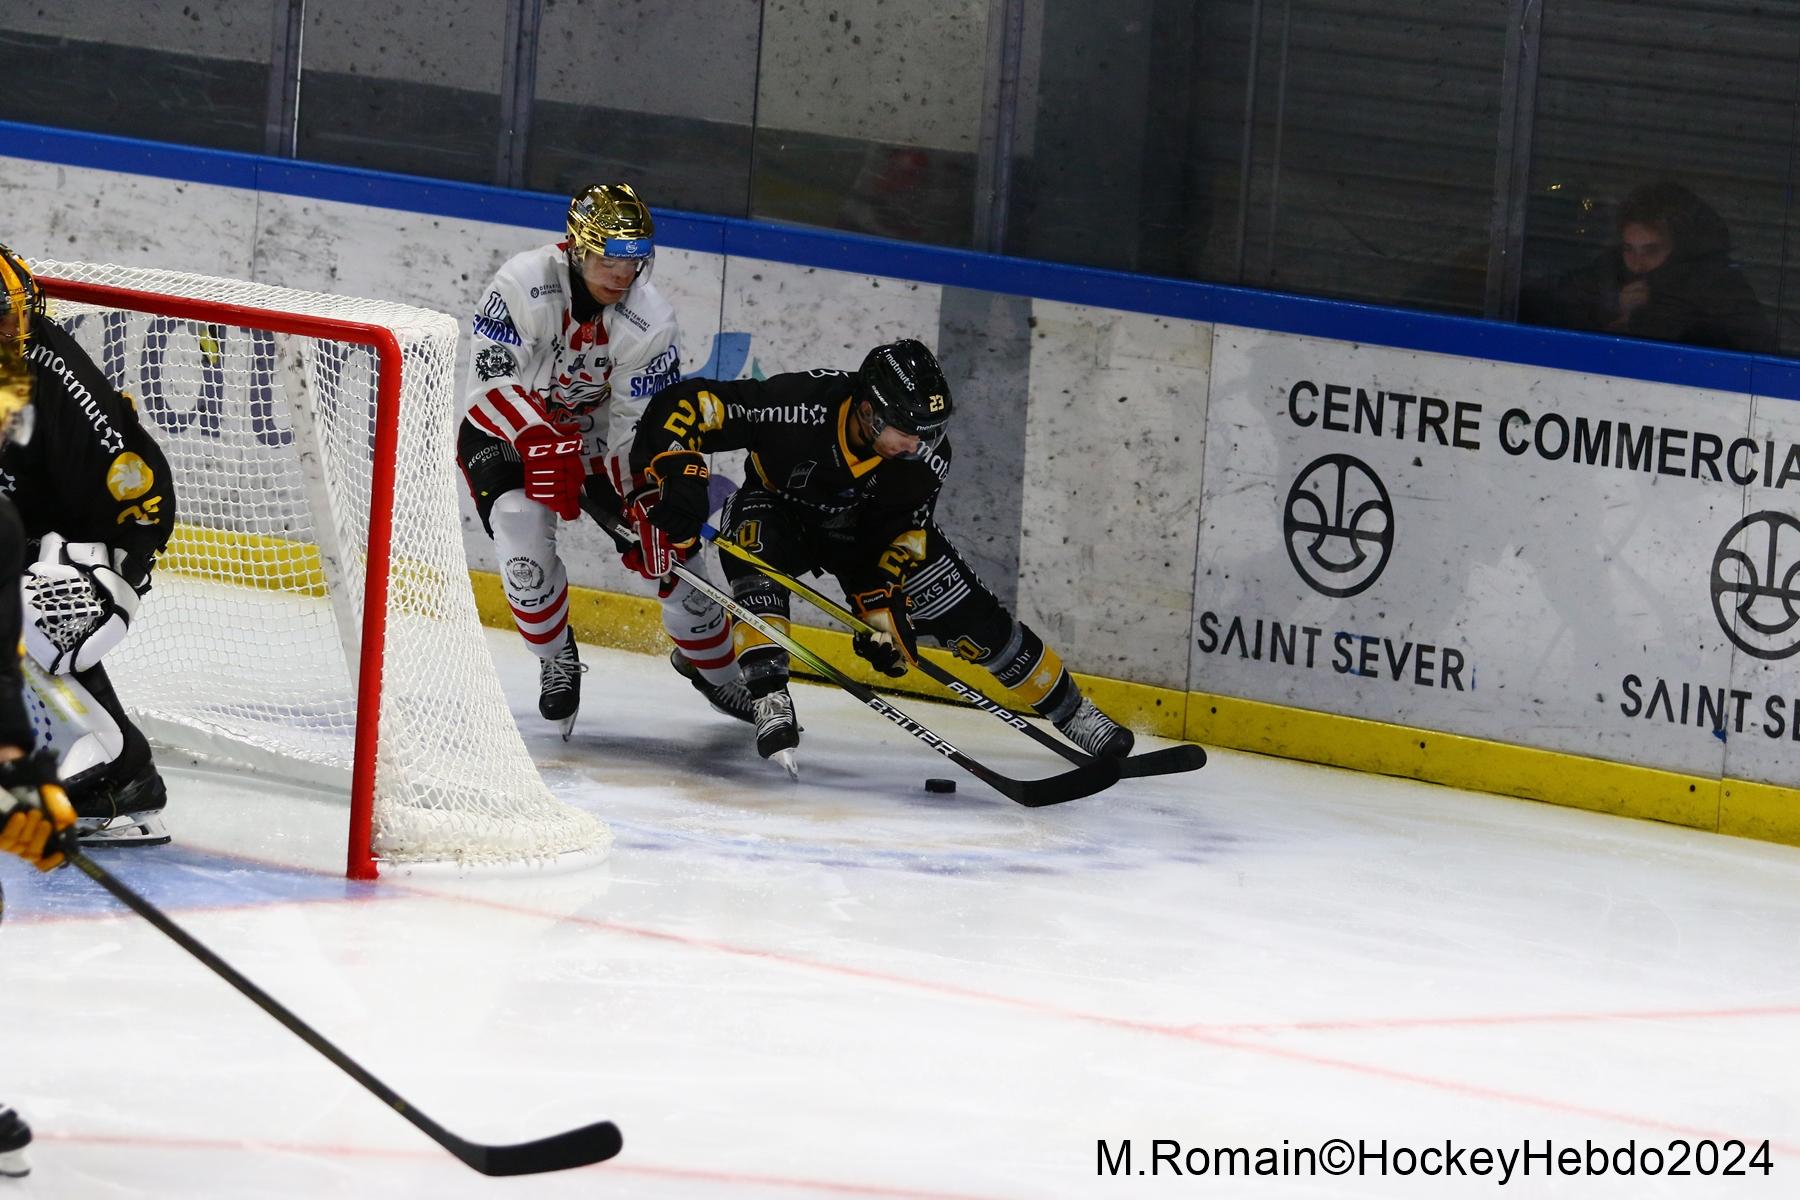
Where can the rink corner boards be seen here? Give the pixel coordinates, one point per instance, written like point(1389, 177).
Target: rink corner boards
point(1737, 807)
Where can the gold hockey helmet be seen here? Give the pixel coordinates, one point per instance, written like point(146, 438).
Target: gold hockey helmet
point(608, 219)
point(21, 300)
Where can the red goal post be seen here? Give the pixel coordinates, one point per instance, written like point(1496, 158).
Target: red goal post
point(312, 615)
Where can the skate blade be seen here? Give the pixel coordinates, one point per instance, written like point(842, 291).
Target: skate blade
point(14, 1165)
point(125, 833)
point(567, 726)
point(789, 761)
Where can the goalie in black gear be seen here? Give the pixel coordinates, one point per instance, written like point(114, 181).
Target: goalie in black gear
point(37, 822)
point(845, 474)
point(93, 493)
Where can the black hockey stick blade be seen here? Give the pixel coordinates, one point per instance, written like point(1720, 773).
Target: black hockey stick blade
point(576, 1148)
point(1170, 760)
point(559, 1152)
point(1094, 776)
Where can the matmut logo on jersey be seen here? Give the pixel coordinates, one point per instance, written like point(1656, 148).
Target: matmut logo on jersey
point(495, 322)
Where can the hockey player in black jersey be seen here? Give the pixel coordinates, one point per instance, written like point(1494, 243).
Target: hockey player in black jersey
point(93, 492)
point(845, 471)
point(36, 820)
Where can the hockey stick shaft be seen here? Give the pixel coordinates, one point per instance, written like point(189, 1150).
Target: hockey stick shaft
point(1170, 760)
point(575, 1148)
point(1084, 780)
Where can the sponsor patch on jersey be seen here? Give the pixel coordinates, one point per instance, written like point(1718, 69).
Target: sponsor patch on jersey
point(632, 317)
point(649, 385)
point(790, 414)
point(495, 323)
point(129, 477)
point(547, 289)
point(668, 360)
point(495, 362)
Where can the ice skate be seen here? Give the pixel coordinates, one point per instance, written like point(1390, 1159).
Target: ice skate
point(733, 699)
point(1096, 732)
point(15, 1135)
point(559, 686)
point(119, 804)
point(777, 733)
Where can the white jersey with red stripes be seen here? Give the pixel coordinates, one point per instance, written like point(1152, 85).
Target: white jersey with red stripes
point(534, 363)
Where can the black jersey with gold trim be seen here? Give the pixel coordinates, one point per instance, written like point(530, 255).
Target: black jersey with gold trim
point(797, 430)
point(15, 723)
point(91, 471)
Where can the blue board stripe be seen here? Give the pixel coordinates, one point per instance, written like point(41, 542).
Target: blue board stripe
point(1465, 337)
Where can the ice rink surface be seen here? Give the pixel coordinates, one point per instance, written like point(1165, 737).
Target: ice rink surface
point(851, 987)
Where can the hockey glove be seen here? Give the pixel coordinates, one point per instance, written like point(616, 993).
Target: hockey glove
point(553, 471)
point(685, 503)
point(37, 822)
point(892, 649)
point(652, 557)
point(77, 605)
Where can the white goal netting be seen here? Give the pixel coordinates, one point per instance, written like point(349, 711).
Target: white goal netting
point(250, 642)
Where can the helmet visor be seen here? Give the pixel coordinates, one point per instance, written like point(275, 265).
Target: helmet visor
point(929, 437)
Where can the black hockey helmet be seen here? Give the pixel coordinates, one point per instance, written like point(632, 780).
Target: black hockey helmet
point(905, 388)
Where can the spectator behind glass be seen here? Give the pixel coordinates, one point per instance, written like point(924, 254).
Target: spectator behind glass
point(1667, 276)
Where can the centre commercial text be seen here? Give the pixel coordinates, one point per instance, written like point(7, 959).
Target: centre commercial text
point(1600, 442)
point(1620, 445)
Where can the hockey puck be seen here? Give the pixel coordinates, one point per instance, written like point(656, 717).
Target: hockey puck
point(940, 785)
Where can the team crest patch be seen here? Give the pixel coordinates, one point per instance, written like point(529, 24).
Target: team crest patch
point(129, 477)
point(524, 574)
point(494, 362)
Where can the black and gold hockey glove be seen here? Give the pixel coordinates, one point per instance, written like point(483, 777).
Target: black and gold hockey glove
point(892, 648)
point(684, 505)
point(37, 822)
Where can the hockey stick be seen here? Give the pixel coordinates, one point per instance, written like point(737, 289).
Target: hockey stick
point(1093, 776)
point(1170, 760)
point(576, 1148)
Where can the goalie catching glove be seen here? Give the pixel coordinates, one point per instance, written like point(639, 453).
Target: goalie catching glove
point(892, 648)
point(685, 502)
point(77, 603)
point(37, 822)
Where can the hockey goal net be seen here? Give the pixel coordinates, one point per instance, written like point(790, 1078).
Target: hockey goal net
point(313, 615)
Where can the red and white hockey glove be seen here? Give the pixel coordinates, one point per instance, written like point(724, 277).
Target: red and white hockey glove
point(653, 557)
point(553, 473)
point(685, 502)
point(893, 648)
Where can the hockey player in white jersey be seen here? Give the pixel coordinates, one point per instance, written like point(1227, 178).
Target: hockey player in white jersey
point(570, 342)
